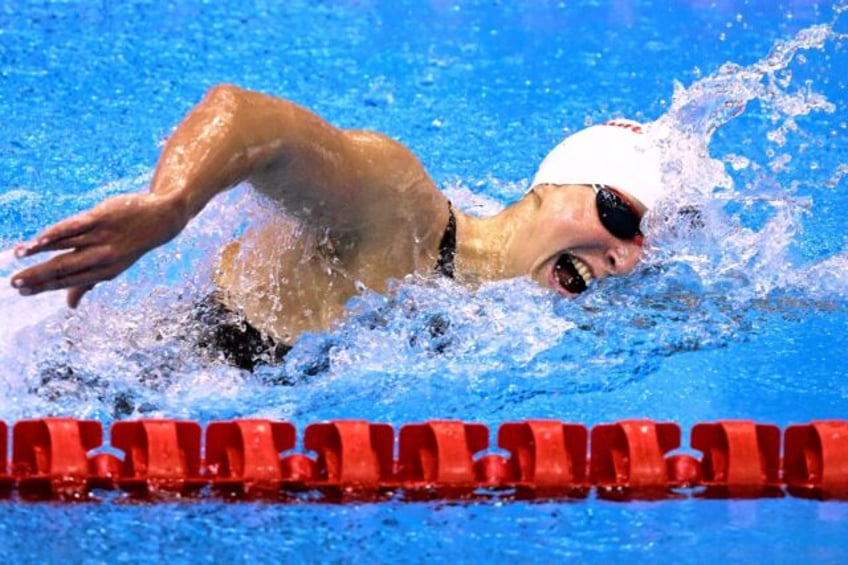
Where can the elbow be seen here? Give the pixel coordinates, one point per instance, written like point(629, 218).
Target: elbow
point(224, 96)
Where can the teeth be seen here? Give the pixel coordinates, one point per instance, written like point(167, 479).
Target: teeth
point(582, 268)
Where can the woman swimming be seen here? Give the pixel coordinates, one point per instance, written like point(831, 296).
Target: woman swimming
point(358, 210)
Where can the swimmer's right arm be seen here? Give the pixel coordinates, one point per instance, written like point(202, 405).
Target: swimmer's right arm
point(228, 137)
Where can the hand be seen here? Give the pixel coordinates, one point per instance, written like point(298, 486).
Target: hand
point(102, 242)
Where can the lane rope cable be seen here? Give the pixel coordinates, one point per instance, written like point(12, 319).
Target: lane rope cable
point(353, 460)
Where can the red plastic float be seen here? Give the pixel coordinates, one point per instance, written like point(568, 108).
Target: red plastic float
point(741, 458)
point(50, 457)
point(6, 480)
point(438, 457)
point(814, 460)
point(66, 459)
point(159, 455)
point(546, 457)
point(243, 456)
point(628, 458)
point(353, 456)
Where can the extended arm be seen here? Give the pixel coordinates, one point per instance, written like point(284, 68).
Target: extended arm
point(230, 136)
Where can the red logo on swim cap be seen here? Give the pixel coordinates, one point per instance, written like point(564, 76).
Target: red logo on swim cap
point(632, 126)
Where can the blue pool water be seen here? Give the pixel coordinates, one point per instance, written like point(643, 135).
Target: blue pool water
point(745, 319)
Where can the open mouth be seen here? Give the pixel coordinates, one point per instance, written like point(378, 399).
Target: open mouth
point(572, 274)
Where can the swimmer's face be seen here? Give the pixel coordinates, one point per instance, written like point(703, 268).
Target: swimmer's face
point(570, 246)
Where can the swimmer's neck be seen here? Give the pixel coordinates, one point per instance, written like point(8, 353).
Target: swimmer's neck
point(485, 246)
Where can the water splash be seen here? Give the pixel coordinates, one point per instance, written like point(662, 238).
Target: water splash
point(734, 220)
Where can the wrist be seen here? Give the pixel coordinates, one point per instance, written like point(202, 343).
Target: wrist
point(174, 210)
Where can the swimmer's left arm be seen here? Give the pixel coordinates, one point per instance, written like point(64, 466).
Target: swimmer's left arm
point(204, 156)
point(331, 177)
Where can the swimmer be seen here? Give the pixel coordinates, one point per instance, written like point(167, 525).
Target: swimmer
point(360, 210)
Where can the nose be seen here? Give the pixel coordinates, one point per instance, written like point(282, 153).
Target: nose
point(622, 257)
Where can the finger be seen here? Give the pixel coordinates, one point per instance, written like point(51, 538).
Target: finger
point(52, 273)
point(22, 250)
point(71, 242)
point(86, 278)
point(76, 293)
point(58, 236)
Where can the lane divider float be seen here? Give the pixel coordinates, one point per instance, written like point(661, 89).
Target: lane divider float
point(67, 459)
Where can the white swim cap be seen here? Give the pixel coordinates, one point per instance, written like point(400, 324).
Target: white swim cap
point(617, 154)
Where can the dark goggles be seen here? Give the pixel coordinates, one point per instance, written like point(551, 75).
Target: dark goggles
point(617, 214)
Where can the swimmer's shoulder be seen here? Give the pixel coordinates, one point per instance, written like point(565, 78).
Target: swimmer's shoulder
point(386, 161)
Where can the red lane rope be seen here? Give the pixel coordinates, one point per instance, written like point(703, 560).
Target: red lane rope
point(66, 459)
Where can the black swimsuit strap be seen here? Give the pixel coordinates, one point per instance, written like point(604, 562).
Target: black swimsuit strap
point(447, 247)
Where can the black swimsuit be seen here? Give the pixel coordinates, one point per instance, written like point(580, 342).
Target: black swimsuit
point(447, 247)
point(225, 332)
point(244, 346)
